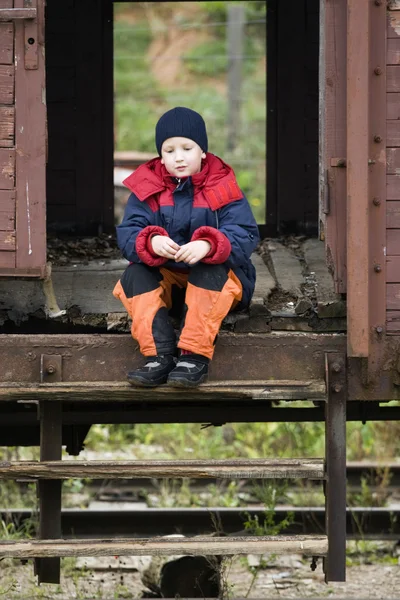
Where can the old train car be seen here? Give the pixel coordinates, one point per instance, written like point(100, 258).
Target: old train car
point(333, 161)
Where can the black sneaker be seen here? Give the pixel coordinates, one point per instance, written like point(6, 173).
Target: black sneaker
point(190, 371)
point(154, 372)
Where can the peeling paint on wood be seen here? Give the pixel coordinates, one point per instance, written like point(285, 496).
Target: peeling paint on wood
point(6, 43)
point(6, 84)
point(7, 169)
point(7, 240)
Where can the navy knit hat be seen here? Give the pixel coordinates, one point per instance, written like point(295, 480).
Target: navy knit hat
point(181, 122)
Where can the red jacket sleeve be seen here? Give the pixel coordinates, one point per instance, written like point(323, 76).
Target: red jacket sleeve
point(144, 248)
point(220, 245)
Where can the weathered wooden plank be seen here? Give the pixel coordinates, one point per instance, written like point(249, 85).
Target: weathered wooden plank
point(393, 187)
point(7, 74)
point(7, 221)
point(102, 391)
point(329, 303)
point(392, 106)
point(393, 269)
point(333, 137)
point(297, 356)
point(7, 200)
point(377, 122)
point(393, 51)
point(265, 283)
point(393, 159)
point(195, 469)
point(393, 242)
point(393, 321)
point(7, 261)
point(6, 43)
point(309, 545)
point(7, 123)
point(393, 24)
point(20, 14)
point(30, 142)
point(7, 241)
point(393, 296)
point(393, 215)
point(393, 77)
point(286, 268)
point(7, 169)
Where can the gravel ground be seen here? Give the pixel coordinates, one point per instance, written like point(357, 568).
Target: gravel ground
point(289, 577)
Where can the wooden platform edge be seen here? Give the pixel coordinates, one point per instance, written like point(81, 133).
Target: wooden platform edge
point(307, 545)
point(195, 469)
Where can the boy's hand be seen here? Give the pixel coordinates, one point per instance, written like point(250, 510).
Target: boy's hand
point(192, 252)
point(164, 246)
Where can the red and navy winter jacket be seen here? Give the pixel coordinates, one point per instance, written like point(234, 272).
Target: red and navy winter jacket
point(206, 206)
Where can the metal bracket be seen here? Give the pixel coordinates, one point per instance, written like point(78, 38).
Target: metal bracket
point(31, 35)
point(338, 162)
point(50, 368)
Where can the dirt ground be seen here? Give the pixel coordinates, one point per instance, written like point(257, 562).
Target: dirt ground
point(288, 577)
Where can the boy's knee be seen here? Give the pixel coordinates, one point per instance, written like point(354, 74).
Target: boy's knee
point(209, 277)
point(139, 279)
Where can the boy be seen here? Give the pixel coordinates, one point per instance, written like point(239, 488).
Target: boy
point(186, 224)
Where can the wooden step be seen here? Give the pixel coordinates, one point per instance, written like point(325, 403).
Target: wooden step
point(196, 469)
point(123, 391)
point(209, 546)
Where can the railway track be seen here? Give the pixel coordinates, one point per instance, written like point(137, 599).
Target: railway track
point(361, 523)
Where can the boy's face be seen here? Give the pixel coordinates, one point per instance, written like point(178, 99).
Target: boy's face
point(181, 156)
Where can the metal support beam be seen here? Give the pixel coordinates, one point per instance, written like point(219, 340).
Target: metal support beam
point(335, 456)
point(48, 569)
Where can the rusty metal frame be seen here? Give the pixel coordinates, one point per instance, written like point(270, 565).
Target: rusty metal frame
point(335, 457)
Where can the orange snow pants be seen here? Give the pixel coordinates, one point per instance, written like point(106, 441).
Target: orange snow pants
point(146, 293)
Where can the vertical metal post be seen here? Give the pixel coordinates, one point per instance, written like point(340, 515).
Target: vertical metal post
point(335, 458)
point(235, 35)
point(48, 569)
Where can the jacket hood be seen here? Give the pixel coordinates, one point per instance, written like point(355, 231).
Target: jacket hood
point(152, 178)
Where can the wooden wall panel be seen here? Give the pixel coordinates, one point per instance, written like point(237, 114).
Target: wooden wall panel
point(7, 123)
point(6, 84)
point(30, 142)
point(393, 187)
point(393, 133)
point(6, 43)
point(7, 169)
point(7, 210)
point(393, 215)
point(393, 296)
point(392, 178)
point(393, 77)
point(393, 321)
point(393, 51)
point(393, 242)
point(393, 161)
point(393, 269)
point(7, 241)
point(393, 29)
point(393, 106)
